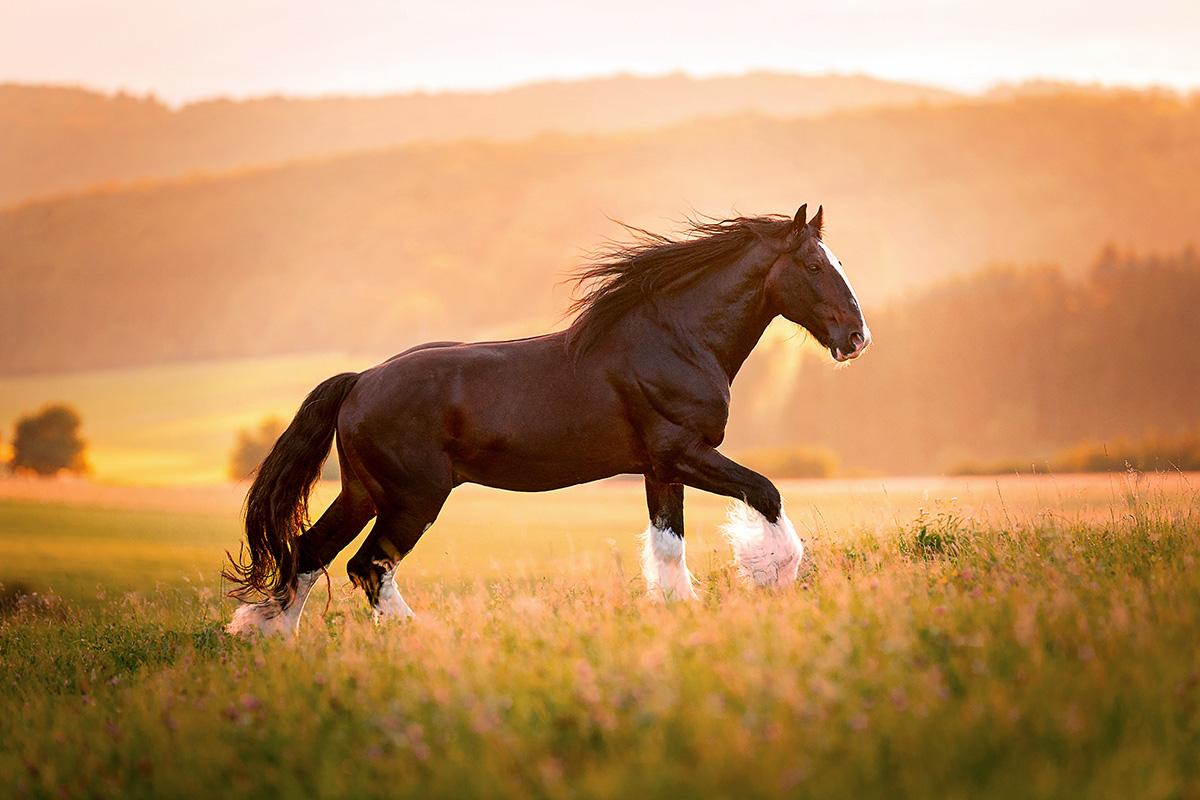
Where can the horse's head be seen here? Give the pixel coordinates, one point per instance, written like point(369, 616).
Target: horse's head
point(806, 285)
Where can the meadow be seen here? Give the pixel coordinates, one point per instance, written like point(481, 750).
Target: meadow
point(954, 637)
point(171, 424)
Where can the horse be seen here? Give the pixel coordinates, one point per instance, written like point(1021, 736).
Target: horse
point(637, 383)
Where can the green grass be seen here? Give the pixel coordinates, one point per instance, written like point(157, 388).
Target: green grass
point(79, 553)
point(173, 424)
point(1020, 639)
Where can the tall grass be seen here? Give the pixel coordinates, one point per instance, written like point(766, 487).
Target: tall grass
point(954, 651)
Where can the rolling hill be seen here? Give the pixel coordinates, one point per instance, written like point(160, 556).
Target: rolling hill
point(373, 251)
point(55, 140)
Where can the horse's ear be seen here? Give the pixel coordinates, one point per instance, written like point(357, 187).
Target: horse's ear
point(800, 217)
point(817, 223)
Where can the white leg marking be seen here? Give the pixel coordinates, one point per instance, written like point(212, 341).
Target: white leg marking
point(391, 605)
point(768, 554)
point(664, 565)
point(269, 617)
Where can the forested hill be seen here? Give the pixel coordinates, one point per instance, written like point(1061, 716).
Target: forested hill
point(1007, 366)
point(58, 139)
point(373, 252)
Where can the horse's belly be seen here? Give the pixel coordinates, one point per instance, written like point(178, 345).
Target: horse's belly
point(537, 481)
point(522, 468)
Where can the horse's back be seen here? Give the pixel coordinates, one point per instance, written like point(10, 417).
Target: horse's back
point(518, 414)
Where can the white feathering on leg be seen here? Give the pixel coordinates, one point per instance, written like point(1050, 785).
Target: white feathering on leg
point(269, 616)
point(391, 604)
point(768, 554)
point(664, 565)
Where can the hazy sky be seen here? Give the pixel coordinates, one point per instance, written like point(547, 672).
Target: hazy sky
point(187, 49)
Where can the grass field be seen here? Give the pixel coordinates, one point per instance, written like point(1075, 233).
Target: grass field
point(173, 424)
point(948, 638)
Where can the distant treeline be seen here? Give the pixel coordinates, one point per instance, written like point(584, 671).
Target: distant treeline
point(796, 461)
point(1011, 365)
point(1154, 453)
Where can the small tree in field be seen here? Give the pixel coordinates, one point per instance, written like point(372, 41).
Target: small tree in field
point(48, 442)
point(252, 447)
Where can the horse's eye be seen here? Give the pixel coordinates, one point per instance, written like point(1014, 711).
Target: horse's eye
point(813, 267)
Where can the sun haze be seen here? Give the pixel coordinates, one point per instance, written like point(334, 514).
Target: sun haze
point(189, 50)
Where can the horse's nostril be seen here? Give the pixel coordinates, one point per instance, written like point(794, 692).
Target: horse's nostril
point(857, 340)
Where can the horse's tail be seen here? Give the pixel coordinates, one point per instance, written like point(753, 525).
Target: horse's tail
point(277, 504)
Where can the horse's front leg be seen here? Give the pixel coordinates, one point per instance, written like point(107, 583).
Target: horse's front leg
point(765, 544)
point(664, 563)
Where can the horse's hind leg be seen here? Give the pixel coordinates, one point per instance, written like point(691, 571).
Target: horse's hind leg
point(408, 511)
point(664, 563)
point(336, 528)
point(315, 549)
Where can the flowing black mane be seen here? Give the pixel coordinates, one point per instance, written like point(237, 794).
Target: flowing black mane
point(624, 276)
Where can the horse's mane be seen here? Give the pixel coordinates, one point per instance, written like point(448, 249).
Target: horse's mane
point(623, 276)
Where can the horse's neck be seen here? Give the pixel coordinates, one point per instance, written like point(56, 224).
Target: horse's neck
point(726, 313)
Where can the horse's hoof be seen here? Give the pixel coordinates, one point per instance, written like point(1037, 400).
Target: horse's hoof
point(260, 619)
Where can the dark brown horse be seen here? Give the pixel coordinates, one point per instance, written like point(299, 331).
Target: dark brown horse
point(639, 383)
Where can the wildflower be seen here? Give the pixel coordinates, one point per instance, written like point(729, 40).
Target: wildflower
point(551, 770)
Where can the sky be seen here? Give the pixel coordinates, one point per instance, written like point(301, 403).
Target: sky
point(184, 50)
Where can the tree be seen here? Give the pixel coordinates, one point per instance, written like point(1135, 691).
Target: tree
point(48, 443)
point(252, 447)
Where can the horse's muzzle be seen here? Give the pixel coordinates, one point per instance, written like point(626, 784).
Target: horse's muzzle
point(857, 341)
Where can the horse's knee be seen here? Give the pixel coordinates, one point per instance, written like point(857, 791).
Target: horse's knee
point(767, 501)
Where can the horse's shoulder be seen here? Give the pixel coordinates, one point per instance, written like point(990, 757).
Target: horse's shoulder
point(680, 394)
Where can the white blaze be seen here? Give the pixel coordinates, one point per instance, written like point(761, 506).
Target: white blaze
point(838, 266)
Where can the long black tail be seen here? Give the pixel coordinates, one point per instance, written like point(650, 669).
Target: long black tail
point(277, 505)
